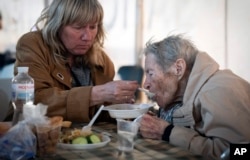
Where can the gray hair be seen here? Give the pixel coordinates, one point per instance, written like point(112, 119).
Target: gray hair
point(66, 12)
point(170, 49)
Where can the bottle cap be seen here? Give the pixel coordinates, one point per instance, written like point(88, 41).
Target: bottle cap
point(22, 69)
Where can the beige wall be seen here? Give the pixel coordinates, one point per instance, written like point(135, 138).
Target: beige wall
point(18, 17)
point(239, 37)
point(219, 27)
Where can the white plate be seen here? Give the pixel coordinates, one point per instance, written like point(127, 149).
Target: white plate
point(105, 141)
point(126, 111)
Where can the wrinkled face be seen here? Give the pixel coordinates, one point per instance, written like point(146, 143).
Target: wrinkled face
point(164, 85)
point(78, 39)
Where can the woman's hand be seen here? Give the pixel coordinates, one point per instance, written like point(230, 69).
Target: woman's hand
point(152, 127)
point(114, 92)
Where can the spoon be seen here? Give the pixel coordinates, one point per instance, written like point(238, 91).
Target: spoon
point(149, 94)
point(88, 127)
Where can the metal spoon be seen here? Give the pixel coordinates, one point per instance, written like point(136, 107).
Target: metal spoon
point(88, 127)
point(149, 94)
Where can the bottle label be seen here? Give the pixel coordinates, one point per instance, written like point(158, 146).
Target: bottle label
point(23, 92)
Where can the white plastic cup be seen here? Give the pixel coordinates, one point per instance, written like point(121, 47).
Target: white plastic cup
point(127, 131)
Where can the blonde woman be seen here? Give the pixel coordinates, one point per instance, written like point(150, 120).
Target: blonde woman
point(73, 75)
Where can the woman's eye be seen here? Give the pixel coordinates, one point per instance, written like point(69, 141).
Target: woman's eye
point(93, 27)
point(77, 27)
point(149, 73)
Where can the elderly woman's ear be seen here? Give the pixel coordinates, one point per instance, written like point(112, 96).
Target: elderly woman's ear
point(180, 68)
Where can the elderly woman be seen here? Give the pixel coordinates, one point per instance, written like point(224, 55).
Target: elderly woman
point(73, 75)
point(202, 108)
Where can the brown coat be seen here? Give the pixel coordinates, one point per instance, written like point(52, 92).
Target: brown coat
point(53, 81)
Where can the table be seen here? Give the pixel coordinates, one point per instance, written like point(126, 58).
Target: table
point(145, 149)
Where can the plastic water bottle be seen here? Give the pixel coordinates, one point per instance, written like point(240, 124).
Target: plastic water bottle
point(22, 92)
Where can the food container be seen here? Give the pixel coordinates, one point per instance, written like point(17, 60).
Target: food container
point(47, 136)
point(127, 111)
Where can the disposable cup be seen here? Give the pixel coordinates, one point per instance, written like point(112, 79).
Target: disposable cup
point(127, 131)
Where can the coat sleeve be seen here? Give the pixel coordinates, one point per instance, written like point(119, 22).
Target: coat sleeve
point(220, 120)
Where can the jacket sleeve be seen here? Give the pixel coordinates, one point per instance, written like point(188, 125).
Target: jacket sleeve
point(215, 127)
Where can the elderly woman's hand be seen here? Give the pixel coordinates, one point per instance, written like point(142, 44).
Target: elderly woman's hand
point(152, 127)
point(115, 92)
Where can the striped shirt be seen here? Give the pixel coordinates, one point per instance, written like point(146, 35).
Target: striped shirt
point(167, 115)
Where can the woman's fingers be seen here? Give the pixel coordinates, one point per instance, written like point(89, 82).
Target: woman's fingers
point(121, 91)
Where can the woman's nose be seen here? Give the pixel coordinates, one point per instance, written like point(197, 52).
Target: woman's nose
point(85, 35)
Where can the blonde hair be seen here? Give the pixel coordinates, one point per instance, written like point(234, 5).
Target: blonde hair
point(66, 12)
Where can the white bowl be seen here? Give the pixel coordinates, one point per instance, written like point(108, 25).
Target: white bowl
point(127, 111)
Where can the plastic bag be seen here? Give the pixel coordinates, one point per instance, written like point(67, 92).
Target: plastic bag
point(19, 143)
